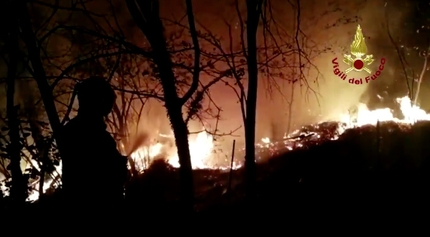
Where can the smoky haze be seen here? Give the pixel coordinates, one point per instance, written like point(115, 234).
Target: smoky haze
point(328, 26)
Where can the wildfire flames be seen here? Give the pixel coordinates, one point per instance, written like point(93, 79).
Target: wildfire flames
point(201, 149)
point(411, 114)
point(202, 145)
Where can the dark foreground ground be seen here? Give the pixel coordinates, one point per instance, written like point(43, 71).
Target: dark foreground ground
point(370, 174)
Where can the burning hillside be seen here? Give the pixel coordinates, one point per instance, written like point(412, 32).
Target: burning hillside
point(202, 145)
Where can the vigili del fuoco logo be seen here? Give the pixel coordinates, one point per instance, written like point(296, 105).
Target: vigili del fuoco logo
point(358, 60)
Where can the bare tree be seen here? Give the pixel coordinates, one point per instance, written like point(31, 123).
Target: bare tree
point(38, 71)
point(407, 55)
point(254, 10)
point(146, 15)
point(19, 184)
point(101, 48)
point(282, 56)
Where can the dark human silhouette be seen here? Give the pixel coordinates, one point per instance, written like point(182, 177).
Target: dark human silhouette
point(94, 171)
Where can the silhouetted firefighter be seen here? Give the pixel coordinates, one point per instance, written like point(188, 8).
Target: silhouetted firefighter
point(94, 172)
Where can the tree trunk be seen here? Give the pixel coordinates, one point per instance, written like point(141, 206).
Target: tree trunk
point(148, 20)
point(19, 185)
point(180, 129)
point(31, 42)
point(253, 11)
